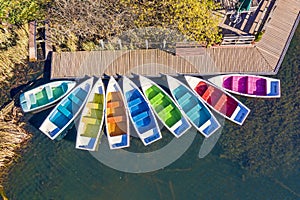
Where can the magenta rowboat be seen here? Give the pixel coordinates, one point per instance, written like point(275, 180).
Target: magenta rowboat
point(248, 85)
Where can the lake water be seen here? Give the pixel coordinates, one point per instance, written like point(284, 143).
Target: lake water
point(56, 170)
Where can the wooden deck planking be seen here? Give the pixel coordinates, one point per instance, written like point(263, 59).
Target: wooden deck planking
point(278, 29)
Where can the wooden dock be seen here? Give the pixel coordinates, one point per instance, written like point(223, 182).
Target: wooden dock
point(262, 58)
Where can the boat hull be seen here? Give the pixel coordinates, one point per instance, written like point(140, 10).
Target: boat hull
point(66, 111)
point(140, 114)
point(92, 119)
point(45, 96)
point(219, 100)
point(248, 85)
point(193, 107)
point(116, 117)
point(164, 107)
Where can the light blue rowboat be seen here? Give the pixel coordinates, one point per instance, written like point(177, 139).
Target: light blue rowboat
point(141, 115)
point(195, 109)
point(66, 111)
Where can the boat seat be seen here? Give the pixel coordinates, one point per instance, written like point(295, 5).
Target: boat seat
point(140, 116)
point(90, 120)
point(93, 105)
point(192, 106)
point(166, 109)
point(96, 113)
point(221, 102)
point(134, 102)
point(157, 103)
point(59, 119)
point(32, 98)
point(185, 97)
point(156, 98)
point(75, 99)
point(41, 97)
point(49, 92)
point(114, 129)
point(65, 111)
point(113, 104)
point(207, 93)
point(143, 122)
point(115, 119)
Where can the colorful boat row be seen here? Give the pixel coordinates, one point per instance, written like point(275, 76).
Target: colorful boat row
point(184, 107)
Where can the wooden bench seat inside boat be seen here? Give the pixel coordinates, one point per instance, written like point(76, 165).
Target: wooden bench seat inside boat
point(42, 98)
point(93, 105)
point(114, 104)
point(156, 98)
point(115, 119)
point(65, 111)
point(116, 129)
point(90, 120)
point(221, 104)
point(207, 94)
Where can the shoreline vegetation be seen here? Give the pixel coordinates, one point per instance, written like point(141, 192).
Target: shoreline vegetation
point(13, 138)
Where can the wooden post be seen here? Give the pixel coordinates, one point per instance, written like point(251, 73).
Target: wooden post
point(32, 42)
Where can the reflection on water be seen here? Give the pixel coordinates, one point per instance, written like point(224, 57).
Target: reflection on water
point(56, 170)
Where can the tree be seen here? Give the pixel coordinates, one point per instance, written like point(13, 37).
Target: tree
point(17, 12)
point(83, 21)
point(193, 18)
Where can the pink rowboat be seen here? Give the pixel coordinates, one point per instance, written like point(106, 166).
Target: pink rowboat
point(248, 85)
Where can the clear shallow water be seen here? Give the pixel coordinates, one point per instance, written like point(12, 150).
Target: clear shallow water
point(56, 170)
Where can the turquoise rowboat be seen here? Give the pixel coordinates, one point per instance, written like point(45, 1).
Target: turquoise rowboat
point(44, 96)
point(164, 107)
point(141, 115)
point(65, 112)
point(92, 119)
point(194, 108)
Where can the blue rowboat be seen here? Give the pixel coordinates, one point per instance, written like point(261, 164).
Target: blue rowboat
point(141, 115)
point(66, 111)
